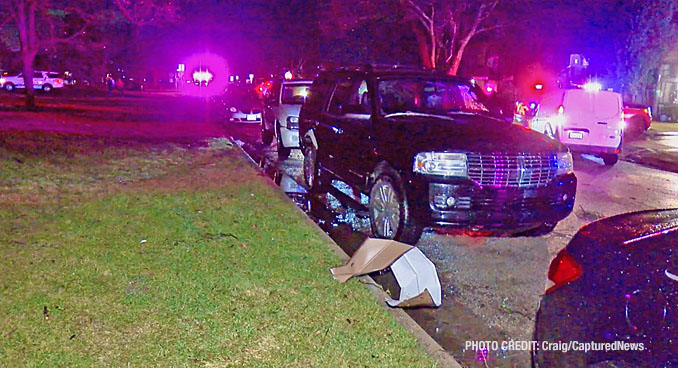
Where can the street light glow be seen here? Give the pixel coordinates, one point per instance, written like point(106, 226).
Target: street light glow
point(202, 76)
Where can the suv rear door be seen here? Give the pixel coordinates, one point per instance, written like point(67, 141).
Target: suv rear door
point(348, 118)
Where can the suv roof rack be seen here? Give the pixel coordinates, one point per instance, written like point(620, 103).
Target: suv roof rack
point(384, 68)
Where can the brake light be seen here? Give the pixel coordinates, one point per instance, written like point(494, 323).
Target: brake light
point(563, 270)
point(59, 81)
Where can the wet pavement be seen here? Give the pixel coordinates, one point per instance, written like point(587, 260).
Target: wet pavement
point(491, 284)
point(658, 147)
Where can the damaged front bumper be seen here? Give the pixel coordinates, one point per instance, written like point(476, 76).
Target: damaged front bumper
point(462, 203)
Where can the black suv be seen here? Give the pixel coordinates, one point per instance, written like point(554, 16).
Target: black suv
point(428, 153)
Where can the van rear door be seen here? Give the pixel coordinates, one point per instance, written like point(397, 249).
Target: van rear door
point(592, 118)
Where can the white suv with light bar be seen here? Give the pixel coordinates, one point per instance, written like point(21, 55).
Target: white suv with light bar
point(42, 80)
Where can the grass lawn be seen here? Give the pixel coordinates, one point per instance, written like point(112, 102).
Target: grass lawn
point(142, 254)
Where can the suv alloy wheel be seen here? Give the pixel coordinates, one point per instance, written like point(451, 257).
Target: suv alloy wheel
point(9, 87)
point(311, 168)
point(47, 88)
point(390, 216)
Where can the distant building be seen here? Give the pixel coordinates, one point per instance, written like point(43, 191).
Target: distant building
point(666, 101)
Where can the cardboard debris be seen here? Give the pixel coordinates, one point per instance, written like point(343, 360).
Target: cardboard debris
point(373, 255)
point(288, 185)
point(416, 274)
point(418, 280)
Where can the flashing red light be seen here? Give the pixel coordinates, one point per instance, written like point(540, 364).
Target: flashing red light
point(59, 81)
point(538, 86)
point(563, 270)
point(288, 75)
point(490, 89)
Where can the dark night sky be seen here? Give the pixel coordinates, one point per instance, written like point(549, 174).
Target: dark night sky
point(248, 33)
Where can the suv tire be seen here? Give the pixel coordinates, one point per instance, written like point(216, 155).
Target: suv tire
point(610, 159)
point(9, 87)
point(47, 88)
point(389, 210)
point(314, 179)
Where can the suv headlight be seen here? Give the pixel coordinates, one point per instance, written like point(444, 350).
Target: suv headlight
point(441, 163)
point(292, 122)
point(564, 163)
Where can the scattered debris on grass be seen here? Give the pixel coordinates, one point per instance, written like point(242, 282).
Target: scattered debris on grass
point(218, 144)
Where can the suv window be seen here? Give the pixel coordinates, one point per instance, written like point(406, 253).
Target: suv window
point(294, 93)
point(350, 96)
point(37, 74)
point(53, 75)
point(425, 95)
point(317, 93)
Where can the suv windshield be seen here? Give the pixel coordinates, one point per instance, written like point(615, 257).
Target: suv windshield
point(295, 94)
point(427, 95)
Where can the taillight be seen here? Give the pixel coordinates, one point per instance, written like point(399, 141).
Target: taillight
point(564, 269)
point(59, 81)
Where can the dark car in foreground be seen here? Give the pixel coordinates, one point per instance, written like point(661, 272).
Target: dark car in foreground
point(428, 154)
point(616, 282)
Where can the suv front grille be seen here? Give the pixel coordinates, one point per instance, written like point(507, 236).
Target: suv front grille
point(511, 170)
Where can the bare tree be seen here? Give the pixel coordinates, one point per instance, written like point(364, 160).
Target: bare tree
point(40, 25)
point(653, 30)
point(444, 28)
point(149, 12)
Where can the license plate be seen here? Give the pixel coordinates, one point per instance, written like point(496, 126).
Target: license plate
point(576, 135)
point(251, 117)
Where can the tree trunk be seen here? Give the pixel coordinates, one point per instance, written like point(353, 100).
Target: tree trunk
point(25, 23)
point(422, 43)
point(456, 61)
point(28, 80)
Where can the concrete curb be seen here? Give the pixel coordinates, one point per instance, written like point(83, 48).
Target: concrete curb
point(432, 348)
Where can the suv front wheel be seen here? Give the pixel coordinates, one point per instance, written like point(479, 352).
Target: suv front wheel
point(314, 179)
point(390, 213)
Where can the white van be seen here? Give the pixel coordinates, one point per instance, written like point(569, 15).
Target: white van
point(587, 121)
